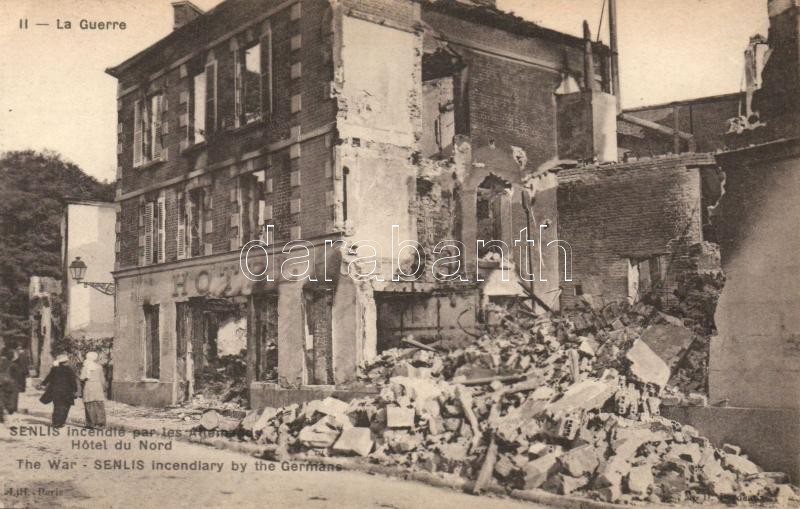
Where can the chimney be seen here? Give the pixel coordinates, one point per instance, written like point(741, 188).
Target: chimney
point(588, 58)
point(184, 12)
point(612, 33)
point(586, 118)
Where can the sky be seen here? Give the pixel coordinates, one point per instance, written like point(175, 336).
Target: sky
point(54, 93)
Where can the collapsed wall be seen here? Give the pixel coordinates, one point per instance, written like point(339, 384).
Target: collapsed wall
point(635, 228)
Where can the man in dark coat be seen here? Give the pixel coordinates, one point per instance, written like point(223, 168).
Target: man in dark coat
point(22, 362)
point(8, 386)
point(60, 389)
point(9, 372)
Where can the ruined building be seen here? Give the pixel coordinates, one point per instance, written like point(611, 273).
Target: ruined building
point(283, 121)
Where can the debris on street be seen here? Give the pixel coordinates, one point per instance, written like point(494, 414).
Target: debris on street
point(570, 406)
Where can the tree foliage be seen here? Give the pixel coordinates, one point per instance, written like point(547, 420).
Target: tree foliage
point(34, 188)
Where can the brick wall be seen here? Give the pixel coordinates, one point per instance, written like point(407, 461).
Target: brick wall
point(301, 67)
point(400, 13)
point(610, 214)
point(520, 108)
point(705, 118)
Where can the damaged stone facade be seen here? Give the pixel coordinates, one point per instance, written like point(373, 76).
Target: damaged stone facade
point(279, 121)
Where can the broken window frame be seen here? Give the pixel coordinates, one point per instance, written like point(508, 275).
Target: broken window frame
point(197, 214)
point(265, 336)
point(252, 207)
point(149, 129)
point(646, 274)
point(198, 116)
point(245, 89)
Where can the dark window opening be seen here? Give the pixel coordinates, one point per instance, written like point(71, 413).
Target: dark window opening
point(491, 197)
point(216, 349)
point(266, 337)
point(319, 336)
point(345, 173)
point(251, 84)
point(152, 346)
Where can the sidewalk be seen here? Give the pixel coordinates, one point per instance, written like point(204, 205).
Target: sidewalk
point(117, 414)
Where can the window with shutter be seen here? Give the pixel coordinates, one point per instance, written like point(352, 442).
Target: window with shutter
point(211, 98)
point(156, 114)
point(148, 233)
point(161, 224)
point(180, 241)
point(137, 133)
point(266, 74)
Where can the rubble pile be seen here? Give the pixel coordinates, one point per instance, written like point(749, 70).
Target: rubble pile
point(567, 406)
point(697, 296)
point(222, 383)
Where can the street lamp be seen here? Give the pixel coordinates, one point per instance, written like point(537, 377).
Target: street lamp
point(77, 270)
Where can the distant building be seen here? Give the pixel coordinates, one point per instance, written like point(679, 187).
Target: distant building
point(87, 231)
point(44, 313)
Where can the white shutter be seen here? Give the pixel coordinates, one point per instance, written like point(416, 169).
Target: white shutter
point(157, 113)
point(238, 86)
point(148, 233)
point(161, 229)
point(181, 235)
point(137, 133)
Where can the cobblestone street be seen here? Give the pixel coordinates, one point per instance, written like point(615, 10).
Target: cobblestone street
point(108, 478)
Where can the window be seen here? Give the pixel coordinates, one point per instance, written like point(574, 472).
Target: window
point(318, 306)
point(152, 221)
point(152, 343)
point(197, 129)
point(266, 336)
point(253, 82)
point(646, 275)
point(210, 122)
point(159, 227)
point(198, 222)
point(182, 234)
point(148, 129)
point(253, 209)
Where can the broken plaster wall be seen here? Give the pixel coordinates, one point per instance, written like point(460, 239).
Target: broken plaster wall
point(438, 116)
point(437, 208)
point(378, 90)
point(354, 328)
point(755, 357)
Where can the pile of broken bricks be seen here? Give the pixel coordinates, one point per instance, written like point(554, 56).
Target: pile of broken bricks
point(535, 402)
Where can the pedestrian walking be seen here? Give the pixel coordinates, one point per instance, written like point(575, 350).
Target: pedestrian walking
point(8, 372)
point(8, 386)
point(60, 389)
point(94, 391)
point(22, 362)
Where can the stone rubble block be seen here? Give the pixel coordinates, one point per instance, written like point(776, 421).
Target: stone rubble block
point(646, 366)
point(398, 417)
point(354, 441)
